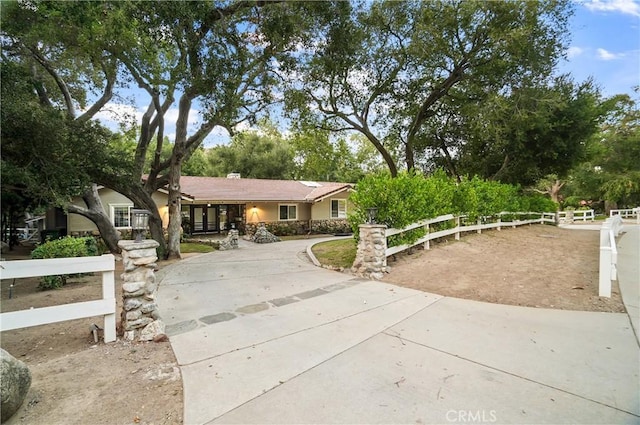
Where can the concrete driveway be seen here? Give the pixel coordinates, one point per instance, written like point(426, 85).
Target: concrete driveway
point(263, 336)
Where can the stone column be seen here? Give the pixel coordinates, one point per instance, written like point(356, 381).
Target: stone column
point(140, 317)
point(371, 261)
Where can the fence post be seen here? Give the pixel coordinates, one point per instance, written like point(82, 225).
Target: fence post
point(458, 228)
point(499, 221)
point(371, 258)
point(479, 224)
point(427, 244)
point(108, 292)
point(604, 286)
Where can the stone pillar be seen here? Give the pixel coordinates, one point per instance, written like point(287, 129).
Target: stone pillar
point(569, 218)
point(140, 316)
point(371, 261)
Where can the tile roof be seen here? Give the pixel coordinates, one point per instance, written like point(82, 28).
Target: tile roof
point(222, 189)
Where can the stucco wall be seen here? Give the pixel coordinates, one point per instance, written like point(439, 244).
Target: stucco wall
point(77, 223)
point(322, 209)
point(268, 212)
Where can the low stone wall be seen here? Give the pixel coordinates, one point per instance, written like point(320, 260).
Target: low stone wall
point(301, 227)
point(280, 228)
point(330, 226)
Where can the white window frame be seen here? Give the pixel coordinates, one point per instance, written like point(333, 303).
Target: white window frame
point(288, 212)
point(112, 211)
point(341, 214)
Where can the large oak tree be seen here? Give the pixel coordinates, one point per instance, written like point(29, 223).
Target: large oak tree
point(386, 69)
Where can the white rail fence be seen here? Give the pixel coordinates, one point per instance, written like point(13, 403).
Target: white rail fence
point(610, 229)
point(459, 227)
point(578, 215)
point(59, 266)
point(627, 213)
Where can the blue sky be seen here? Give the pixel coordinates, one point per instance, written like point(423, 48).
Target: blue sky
point(605, 45)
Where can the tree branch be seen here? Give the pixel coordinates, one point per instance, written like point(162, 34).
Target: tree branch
point(59, 81)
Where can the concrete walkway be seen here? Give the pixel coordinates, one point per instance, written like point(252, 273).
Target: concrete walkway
point(263, 336)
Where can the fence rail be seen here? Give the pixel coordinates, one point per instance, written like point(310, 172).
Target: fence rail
point(58, 266)
point(627, 213)
point(608, 272)
point(460, 227)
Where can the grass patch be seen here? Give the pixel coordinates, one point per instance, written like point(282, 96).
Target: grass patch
point(190, 247)
point(340, 253)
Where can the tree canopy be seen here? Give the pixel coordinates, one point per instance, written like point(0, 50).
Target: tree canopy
point(388, 70)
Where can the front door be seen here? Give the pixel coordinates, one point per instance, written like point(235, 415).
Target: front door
point(204, 219)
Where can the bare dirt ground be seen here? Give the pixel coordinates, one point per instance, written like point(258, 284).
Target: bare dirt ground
point(534, 266)
point(75, 380)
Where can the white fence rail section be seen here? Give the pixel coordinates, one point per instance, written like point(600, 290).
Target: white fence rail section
point(610, 229)
point(578, 215)
point(458, 228)
point(627, 213)
point(58, 266)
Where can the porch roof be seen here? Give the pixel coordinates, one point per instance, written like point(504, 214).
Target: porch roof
point(217, 189)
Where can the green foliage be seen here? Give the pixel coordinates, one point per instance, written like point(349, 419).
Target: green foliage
point(536, 130)
point(410, 198)
point(402, 200)
point(612, 169)
point(263, 154)
point(426, 58)
point(67, 247)
point(476, 197)
point(537, 203)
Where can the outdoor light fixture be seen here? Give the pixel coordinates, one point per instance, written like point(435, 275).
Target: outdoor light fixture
point(372, 214)
point(139, 222)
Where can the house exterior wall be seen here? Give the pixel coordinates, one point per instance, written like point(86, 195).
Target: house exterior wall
point(269, 212)
point(110, 198)
point(322, 210)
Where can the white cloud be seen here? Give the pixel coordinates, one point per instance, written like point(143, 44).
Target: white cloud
point(574, 51)
point(608, 56)
point(171, 116)
point(629, 7)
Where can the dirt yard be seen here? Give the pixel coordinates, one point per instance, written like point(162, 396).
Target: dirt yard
point(78, 381)
point(534, 266)
point(75, 380)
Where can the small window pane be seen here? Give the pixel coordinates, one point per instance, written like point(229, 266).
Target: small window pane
point(338, 208)
point(283, 212)
point(121, 216)
point(292, 212)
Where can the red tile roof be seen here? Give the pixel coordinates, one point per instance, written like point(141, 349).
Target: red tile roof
point(220, 189)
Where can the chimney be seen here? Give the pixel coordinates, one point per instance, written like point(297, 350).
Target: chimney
point(233, 175)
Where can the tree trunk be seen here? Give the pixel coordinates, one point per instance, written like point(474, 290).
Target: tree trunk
point(554, 191)
point(175, 170)
point(409, 158)
point(175, 213)
point(95, 213)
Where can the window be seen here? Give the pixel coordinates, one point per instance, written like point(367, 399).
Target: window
point(338, 208)
point(121, 215)
point(288, 212)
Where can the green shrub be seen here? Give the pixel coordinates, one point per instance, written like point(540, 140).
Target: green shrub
point(537, 203)
point(63, 248)
point(410, 197)
point(402, 200)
